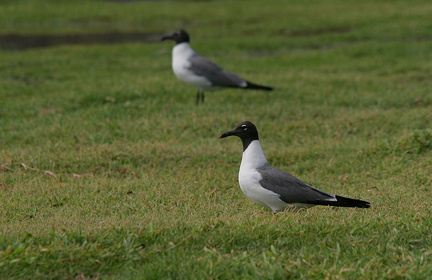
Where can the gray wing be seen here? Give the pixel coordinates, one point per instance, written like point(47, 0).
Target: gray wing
point(214, 73)
point(290, 188)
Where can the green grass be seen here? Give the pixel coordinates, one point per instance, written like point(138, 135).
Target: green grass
point(109, 171)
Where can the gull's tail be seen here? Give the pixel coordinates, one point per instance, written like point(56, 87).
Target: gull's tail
point(343, 202)
point(250, 85)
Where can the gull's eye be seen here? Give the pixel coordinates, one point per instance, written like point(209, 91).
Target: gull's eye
point(244, 127)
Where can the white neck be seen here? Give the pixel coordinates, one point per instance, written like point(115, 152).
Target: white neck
point(182, 50)
point(253, 156)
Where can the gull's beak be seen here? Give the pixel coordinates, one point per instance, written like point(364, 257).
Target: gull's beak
point(168, 37)
point(226, 134)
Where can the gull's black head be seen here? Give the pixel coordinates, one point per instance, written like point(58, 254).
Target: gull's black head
point(247, 132)
point(180, 36)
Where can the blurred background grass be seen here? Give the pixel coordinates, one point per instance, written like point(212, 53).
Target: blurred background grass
point(109, 170)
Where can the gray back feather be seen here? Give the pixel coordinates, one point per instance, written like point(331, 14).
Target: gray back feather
point(291, 189)
point(218, 77)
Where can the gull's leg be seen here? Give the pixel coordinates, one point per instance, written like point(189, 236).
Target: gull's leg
point(197, 97)
point(200, 96)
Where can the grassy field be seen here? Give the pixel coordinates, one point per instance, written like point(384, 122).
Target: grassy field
point(109, 171)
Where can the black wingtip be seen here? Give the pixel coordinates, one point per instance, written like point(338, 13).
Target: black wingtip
point(343, 202)
point(349, 202)
point(250, 85)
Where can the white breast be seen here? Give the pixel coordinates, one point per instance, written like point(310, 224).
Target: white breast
point(180, 64)
point(249, 177)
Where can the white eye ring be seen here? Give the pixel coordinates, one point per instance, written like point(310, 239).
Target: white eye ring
point(244, 127)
